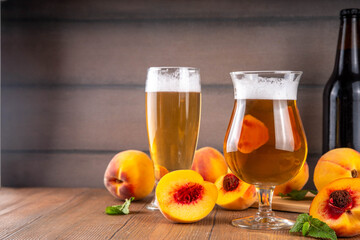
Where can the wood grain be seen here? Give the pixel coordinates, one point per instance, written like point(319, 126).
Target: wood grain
point(119, 53)
point(79, 214)
point(73, 73)
point(288, 205)
point(95, 10)
point(114, 118)
point(28, 206)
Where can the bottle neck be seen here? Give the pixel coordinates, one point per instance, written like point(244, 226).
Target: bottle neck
point(347, 56)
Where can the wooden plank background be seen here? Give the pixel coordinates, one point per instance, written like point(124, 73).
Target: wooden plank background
point(73, 74)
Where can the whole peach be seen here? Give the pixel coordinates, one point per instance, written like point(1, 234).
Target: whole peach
point(297, 183)
point(335, 164)
point(210, 163)
point(130, 174)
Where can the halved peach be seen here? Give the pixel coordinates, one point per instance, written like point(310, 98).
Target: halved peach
point(335, 164)
point(185, 197)
point(254, 134)
point(233, 193)
point(210, 163)
point(338, 205)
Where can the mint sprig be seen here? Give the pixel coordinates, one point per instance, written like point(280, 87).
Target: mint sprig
point(312, 227)
point(119, 209)
point(297, 194)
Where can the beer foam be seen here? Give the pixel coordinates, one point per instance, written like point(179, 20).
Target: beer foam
point(173, 80)
point(253, 86)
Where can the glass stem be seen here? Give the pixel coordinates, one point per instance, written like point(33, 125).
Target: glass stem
point(265, 195)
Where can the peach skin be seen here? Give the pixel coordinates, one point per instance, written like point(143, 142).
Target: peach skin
point(160, 171)
point(210, 163)
point(335, 164)
point(130, 174)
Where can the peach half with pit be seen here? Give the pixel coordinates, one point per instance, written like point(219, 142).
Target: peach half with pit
point(338, 205)
point(234, 194)
point(335, 164)
point(210, 163)
point(297, 183)
point(130, 174)
point(184, 197)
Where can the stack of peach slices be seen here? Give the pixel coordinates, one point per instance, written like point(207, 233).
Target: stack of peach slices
point(187, 196)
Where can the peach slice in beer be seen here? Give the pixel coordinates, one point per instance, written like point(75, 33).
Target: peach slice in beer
point(257, 134)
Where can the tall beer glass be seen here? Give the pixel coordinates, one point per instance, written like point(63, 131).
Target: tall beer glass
point(173, 104)
point(265, 143)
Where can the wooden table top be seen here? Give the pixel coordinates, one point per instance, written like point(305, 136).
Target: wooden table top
point(78, 213)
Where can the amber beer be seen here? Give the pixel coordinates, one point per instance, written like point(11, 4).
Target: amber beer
point(173, 119)
point(265, 142)
point(269, 164)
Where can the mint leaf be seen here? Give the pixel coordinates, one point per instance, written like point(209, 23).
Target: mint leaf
point(119, 209)
point(313, 227)
point(319, 229)
point(313, 192)
point(305, 228)
point(297, 194)
point(301, 219)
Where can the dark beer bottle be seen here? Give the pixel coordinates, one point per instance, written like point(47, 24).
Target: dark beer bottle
point(341, 99)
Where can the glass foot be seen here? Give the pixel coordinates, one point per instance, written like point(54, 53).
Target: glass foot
point(153, 206)
point(268, 223)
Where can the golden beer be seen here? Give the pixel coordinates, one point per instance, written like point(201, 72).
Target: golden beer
point(173, 102)
point(173, 120)
point(271, 148)
point(265, 144)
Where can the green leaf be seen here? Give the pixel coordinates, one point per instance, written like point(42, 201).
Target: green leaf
point(297, 194)
point(319, 229)
point(313, 192)
point(313, 227)
point(305, 228)
point(119, 209)
point(301, 219)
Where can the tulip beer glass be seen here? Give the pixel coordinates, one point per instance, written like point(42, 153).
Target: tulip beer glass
point(265, 143)
point(173, 104)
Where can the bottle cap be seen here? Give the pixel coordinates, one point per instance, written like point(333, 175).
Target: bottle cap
point(350, 12)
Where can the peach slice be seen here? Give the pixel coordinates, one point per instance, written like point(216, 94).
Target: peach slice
point(335, 164)
point(257, 134)
point(185, 197)
point(338, 204)
point(210, 163)
point(297, 183)
point(130, 174)
point(234, 194)
point(160, 171)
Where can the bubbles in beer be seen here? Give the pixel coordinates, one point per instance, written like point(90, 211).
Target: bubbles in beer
point(173, 79)
point(253, 86)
